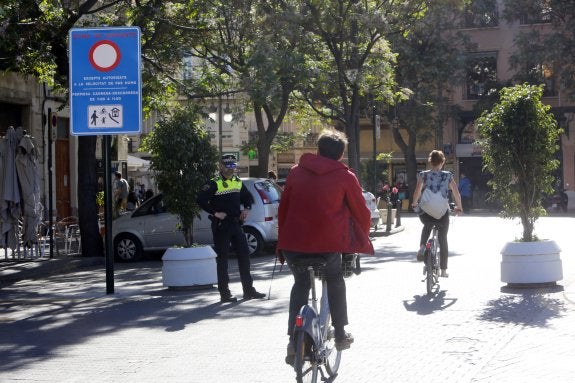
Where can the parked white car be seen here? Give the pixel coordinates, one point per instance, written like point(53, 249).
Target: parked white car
point(371, 203)
point(152, 228)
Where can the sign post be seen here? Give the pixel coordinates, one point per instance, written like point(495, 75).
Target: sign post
point(105, 98)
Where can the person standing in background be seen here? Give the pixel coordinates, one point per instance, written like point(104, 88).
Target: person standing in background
point(465, 191)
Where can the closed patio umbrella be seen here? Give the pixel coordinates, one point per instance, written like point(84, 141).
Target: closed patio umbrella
point(29, 179)
point(9, 191)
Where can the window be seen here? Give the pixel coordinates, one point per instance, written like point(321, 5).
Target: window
point(481, 75)
point(481, 14)
point(187, 67)
point(537, 13)
point(539, 74)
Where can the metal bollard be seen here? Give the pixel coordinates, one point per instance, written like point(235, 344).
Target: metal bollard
point(388, 223)
point(398, 214)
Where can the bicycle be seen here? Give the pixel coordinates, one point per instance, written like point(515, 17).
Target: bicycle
point(313, 334)
point(431, 270)
point(431, 259)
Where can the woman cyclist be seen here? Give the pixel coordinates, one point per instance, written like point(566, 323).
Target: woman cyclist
point(439, 181)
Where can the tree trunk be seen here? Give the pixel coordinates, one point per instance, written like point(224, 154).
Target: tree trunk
point(266, 135)
point(92, 245)
point(353, 133)
point(408, 150)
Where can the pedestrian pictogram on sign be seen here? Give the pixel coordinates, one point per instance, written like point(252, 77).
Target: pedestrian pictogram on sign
point(105, 81)
point(105, 116)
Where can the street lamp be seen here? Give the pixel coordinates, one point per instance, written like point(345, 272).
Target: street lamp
point(219, 114)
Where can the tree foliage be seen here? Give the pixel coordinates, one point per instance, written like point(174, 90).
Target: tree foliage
point(349, 57)
point(519, 140)
point(431, 59)
point(252, 47)
point(183, 160)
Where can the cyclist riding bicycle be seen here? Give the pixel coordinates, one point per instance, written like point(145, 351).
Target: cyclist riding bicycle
point(322, 213)
point(433, 207)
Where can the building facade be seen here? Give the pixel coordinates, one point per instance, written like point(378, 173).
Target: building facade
point(491, 64)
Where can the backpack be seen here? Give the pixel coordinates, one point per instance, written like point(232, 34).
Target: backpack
point(433, 204)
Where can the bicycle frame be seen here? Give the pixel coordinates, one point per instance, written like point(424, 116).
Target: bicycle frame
point(312, 321)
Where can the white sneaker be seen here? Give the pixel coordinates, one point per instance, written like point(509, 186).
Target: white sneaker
point(444, 273)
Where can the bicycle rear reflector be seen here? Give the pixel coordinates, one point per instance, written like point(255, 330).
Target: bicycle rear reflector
point(299, 321)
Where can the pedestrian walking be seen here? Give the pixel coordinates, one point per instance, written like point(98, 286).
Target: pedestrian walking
point(121, 190)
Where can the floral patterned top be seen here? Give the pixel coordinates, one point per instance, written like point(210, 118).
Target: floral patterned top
point(437, 181)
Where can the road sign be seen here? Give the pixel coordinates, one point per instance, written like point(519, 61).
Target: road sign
point(105, 81)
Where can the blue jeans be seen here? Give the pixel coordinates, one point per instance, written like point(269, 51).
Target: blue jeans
point(336, 293)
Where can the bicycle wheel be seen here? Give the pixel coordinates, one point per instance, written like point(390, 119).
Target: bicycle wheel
point(429, 270)
point(305, 365)
point(436, 269)
point(332, 355)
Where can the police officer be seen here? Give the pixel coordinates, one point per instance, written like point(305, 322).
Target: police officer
point(221, 197)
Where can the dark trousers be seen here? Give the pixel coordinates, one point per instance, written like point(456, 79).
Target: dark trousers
point(336, 294)
point(443, 227)
point(228, 232)
point(466, 202)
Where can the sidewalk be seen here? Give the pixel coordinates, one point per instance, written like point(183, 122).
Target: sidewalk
point(64, 328)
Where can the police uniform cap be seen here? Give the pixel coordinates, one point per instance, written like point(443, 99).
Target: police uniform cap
point(229, 160)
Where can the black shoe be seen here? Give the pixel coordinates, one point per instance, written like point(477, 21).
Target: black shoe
point(253, 295)
point(344, 342)
point(421, 254)
point(226, 298)
point(290, 356)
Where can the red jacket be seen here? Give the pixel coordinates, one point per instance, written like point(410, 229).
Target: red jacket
point(322, 209)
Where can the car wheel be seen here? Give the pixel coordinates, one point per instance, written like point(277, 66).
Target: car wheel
point(255, 240)
point(127, 248)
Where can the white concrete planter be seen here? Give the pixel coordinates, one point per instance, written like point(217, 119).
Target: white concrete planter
point(383, 216)
point(189, 266)
point(531, 262)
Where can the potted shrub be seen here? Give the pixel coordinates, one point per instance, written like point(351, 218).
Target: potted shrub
point(519, 139)
point(183, 159)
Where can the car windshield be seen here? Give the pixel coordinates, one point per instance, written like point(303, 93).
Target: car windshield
point(154, 205)
point(268, 191)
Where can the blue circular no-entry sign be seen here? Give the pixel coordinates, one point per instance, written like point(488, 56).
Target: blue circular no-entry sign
point(105, 81)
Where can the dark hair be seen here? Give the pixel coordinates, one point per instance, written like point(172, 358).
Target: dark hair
point(331, 144)
point(436, 157)
point(272, 175)
point(118, 174)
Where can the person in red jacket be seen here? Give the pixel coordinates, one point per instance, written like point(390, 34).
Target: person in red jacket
point(322, 213)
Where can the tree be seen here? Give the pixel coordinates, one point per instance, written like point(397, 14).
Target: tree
point(250, 48)
point(34, 42)
point(183, 160)
point(519, 139)
point(349, 58)
point(431, 58)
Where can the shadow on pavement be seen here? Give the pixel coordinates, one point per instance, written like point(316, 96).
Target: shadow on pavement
point(528, 309)
point(425, 305)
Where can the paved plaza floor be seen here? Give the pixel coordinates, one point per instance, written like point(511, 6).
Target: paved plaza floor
point(65, 328)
